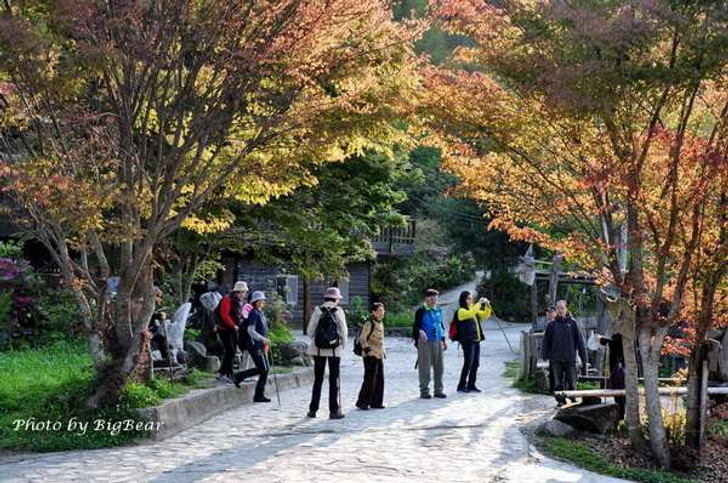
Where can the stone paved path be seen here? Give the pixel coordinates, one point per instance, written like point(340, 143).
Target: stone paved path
point(464, 438)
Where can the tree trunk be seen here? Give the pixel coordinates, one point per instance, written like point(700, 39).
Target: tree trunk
point(650, 347)
point(127, 338)
point(306, 302)
point(632, 400)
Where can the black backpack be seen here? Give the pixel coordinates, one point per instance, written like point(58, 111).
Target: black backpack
point(358, 350)
point(327, 330)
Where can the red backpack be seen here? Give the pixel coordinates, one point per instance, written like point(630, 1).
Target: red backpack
point(453, 332)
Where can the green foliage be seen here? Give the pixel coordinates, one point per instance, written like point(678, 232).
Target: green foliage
point(510, 297)
point(52, 384)
point(10, 249)
point(400, 284)
point(191, 334)
point(357, 312)
point(587, 386)
point(6, 318)
point(399, 319)
point(719, 429)
point(582, 455)
point(135, 395)
point(512, 368)
point(60, 316)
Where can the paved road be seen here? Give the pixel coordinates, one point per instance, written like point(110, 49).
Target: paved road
point(464, 438)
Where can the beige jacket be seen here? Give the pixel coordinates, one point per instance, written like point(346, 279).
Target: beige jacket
point(343, 332)
point(375, 341)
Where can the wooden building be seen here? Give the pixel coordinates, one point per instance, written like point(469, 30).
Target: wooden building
point(391, 242)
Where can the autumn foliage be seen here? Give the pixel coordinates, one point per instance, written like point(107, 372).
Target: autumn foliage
point(121, 119)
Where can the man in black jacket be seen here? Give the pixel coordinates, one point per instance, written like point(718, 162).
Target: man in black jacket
point(561, 343)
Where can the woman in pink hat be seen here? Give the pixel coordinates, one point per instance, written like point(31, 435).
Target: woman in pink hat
point(328, 333)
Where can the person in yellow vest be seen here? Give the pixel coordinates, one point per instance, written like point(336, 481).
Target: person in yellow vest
point(470, 335)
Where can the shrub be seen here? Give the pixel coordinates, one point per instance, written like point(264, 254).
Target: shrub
point(357, 313)
point(135, 395)
point(399, 319)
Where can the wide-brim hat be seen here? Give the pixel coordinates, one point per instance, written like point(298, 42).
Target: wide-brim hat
point(240, 287)
point(333, 293)
point(257, 296)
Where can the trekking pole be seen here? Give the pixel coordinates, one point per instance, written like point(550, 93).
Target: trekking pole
point(504, 334)
point(275, 378)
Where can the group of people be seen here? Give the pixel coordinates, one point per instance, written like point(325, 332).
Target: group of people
point(242, 324)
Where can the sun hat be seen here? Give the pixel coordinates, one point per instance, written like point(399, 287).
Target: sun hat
point(240, 287)
point(257, 296)
point(333, 293)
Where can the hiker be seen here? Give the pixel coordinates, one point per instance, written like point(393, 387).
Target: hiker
point(468, 318)
point(255, 337)
point(561, 342)
point(371, 340)
point(428, 333)
point(328, 332)
point(229, 318)
point(550, 316)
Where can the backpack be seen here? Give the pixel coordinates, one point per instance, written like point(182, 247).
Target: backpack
point(453, 331)
point(358, 349)
point(327, 330)
point(210, 300)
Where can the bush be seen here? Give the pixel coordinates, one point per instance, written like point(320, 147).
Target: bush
point(400, 283)
point(135, 395)
point(399, 319)
point(510, 297)
point(357, 313)
point(60, 316)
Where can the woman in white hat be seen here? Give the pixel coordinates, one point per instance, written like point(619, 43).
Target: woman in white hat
point(258, 345)
point(229, 318)
point(328, 332)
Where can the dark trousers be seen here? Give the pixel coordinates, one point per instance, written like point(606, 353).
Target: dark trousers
point(228, 339)
point(471, 362)
point(262, 366)
point(564, 376)
point(371, 393)
point(319, 366)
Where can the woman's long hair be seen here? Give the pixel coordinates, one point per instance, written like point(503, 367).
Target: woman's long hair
point(463, 300)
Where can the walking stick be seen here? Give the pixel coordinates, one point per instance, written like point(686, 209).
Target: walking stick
point(275, 378)
point(504, 333)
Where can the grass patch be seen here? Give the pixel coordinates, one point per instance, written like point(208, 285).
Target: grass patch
point(585, 457)
point(43, 394)
point(587, 386)
point(528, 385)
point(512, 368)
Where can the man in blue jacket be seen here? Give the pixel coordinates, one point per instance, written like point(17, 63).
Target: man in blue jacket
point(428, 334)
point(561, 342)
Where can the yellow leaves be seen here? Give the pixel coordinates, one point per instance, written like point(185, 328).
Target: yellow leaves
point(205, 225)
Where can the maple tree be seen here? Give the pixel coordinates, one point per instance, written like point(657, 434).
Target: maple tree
point(599, 129)
point(121, 119)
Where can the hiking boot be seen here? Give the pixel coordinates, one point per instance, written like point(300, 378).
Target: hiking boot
point(378, 407)
point(441, 395)
point(425, 396)
point(463, 389)
point(261, 399)
point(311, 414)
point(338, 415)
point(363, 407)
point(224, 379)
point(474, 389)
